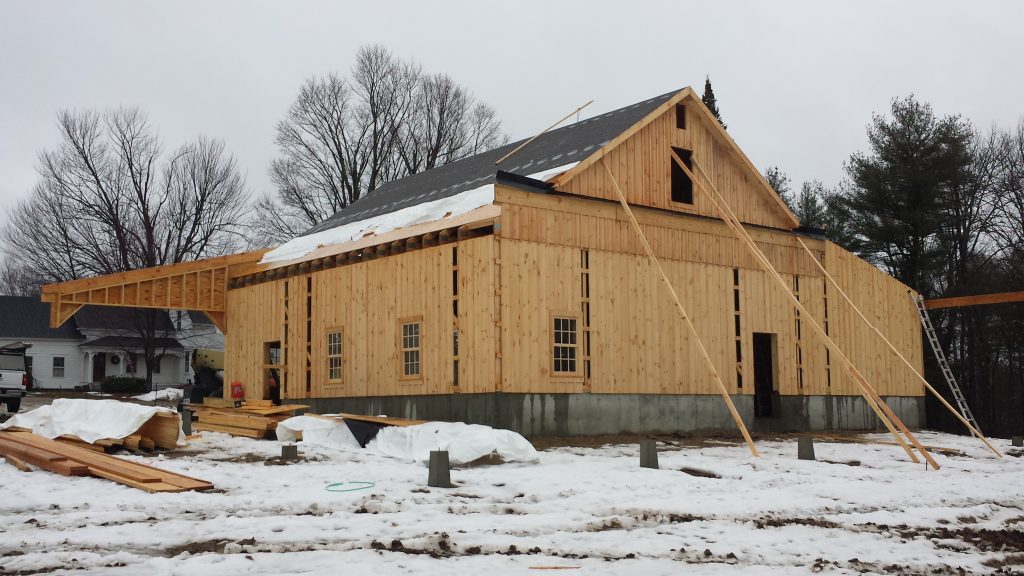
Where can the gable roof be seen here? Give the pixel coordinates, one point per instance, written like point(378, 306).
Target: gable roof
point(697, 104)
point(553, 149)
point(27, 317)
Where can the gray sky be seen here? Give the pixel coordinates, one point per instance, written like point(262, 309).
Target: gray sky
point(796, 81)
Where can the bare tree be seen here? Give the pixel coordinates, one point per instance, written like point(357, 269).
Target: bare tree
point(15, 280)
point(108, 200)
point(345, 136)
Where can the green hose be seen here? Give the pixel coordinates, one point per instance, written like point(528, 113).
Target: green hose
point(337, 486)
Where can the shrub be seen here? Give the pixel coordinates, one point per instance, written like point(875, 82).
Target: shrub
point(124, 385)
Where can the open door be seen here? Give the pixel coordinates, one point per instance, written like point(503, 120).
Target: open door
point(764, 374)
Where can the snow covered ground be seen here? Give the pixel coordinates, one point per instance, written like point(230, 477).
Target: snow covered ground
point(859, 508)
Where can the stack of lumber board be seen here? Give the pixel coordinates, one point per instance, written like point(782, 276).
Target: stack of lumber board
point(160, 431)
point(253, 419)
point(69, 460)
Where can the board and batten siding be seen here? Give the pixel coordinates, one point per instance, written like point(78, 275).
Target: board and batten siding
point(637, 340)
point(366, 302)
point(642, 166)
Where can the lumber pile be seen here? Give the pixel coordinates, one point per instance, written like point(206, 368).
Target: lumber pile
point(253, 419)
point(71, 460)
point(160, 431)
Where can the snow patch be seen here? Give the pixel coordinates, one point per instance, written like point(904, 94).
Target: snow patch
point(168, 394)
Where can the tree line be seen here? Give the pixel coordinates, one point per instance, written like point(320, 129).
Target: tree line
point(939, 204)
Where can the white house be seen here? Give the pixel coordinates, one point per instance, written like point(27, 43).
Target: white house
point(103, 341)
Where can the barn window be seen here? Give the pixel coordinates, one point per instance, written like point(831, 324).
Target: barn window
point(682, 186)
point(411, 365)
point(334, 355)
point(58, 366)
point(681, 116)
point(564, 345)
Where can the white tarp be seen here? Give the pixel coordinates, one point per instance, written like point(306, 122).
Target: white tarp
point(464, 442)
point(89, 420)
point(319, 431)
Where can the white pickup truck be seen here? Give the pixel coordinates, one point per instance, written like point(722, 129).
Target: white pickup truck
point(14, 378)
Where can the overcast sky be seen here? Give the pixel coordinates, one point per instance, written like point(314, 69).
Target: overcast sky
point(797, 82)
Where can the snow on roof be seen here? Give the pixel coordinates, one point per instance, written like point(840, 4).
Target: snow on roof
point(571, 143)
point(444, 209)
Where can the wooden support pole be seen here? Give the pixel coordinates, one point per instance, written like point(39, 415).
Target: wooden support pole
point(920, 377)
point(525, 144)
point(884, 413)
point(682, 313)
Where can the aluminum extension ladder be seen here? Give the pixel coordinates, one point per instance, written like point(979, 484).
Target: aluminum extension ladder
point(929, 331)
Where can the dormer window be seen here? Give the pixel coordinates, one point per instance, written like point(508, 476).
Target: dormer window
point(682, 186)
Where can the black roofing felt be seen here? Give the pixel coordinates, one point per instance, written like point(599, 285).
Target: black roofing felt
point(27, 317)
point(553, 149)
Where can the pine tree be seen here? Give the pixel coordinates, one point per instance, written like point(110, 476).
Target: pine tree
point(779, 182)
point(709, 100)
point(900, 188)
point(809, 206)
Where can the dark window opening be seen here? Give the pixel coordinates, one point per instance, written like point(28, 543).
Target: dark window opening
point(682, 186)
point(681, 116)
point(764, 374)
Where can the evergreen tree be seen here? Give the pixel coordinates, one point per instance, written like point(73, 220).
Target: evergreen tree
point(900, 189)
point(809, 206)
point(779, 182)
point(709, 100)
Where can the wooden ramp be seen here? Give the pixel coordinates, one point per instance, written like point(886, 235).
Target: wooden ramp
point(69, 460)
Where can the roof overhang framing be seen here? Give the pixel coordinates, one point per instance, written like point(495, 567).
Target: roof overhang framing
point(361, 251)
point(198, 285)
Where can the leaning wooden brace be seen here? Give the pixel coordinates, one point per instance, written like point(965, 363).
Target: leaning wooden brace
point(682, 313)
point(870, 395)
point(920, 377)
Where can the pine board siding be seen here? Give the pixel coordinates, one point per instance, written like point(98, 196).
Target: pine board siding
point(642, 165)
point(887, 304)
point(366, 302)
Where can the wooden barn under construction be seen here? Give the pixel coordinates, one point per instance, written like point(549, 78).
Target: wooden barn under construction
point(520, 294)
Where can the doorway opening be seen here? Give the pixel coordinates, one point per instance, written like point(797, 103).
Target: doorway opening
point(765, 346)
point(99, 366)
point(272, 371)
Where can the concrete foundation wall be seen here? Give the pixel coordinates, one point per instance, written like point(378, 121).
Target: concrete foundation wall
point(593, 414)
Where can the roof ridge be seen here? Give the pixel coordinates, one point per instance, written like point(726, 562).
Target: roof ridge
point(578, 138)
